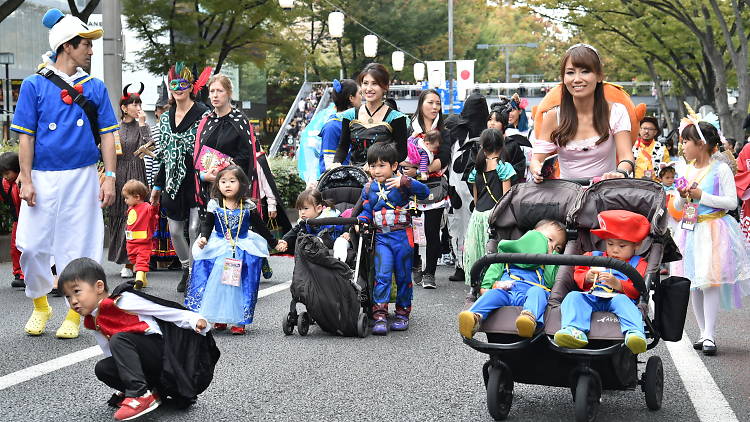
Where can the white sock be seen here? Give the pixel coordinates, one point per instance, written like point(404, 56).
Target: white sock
point(710, 310)
point(696, 299)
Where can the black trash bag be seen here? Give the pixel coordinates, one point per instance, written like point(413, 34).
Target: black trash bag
point(670, 307)
point(323, 284)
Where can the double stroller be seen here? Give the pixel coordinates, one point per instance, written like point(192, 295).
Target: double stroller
point(336, 295)
point(605, 363)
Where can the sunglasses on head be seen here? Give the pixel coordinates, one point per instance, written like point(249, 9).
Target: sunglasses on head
point(179, 84)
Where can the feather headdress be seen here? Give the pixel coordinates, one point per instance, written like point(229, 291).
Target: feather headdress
point(180, 71)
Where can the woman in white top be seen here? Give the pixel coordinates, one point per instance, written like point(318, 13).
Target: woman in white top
point(590, 135)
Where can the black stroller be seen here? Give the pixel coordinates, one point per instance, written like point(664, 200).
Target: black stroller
point(605, 363)
point(336, 295)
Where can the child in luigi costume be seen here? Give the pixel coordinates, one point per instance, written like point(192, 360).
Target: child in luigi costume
point(605, 289)
point(526, 285)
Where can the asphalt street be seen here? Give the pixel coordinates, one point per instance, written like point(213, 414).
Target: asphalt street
point(424, 374)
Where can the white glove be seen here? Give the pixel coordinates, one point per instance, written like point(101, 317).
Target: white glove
point(340, 247)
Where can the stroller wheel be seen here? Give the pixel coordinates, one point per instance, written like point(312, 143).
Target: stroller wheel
point(288, 323)
point(363, 328)
point(499, 391)
point(303, 324)
point(653, 382)
point(587, 394)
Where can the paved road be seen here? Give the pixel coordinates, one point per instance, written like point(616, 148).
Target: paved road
point(423, 374)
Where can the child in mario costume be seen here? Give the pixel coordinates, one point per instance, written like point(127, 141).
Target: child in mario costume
point(608, 290)
point(65, 122)
point(139, 230)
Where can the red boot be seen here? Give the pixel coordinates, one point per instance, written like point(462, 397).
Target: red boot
point(238, 330)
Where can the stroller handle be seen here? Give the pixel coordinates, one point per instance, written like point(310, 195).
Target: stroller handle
point(332, 221)
point(546, 259)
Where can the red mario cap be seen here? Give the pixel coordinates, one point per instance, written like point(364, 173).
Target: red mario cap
point(621, 224)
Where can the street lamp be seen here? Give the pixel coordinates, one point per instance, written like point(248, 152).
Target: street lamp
point(507, 49)
point(371, 45)
point(7, 59)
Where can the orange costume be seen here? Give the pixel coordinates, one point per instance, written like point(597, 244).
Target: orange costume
point(138, 234)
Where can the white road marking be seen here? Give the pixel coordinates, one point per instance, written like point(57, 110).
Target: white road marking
point(44, 368)
point(709, 402)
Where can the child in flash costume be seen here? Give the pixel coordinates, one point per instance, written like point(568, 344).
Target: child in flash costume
point(394, 246)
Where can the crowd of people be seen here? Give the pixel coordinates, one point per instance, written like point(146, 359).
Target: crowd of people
point(201, 174)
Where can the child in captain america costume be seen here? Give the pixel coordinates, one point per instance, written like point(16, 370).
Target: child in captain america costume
point(526, 285)
point(608, 290)
point(139, 229)
point(59, 148)
point(385, 203)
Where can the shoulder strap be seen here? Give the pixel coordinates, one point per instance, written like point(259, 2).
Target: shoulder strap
point(88, 107)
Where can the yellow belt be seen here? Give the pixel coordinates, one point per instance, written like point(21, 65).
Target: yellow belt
point(136, 235)
point(711, 216)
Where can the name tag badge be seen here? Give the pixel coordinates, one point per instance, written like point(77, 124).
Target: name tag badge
point(690, 216)
point(648, 174)
point(232, 272)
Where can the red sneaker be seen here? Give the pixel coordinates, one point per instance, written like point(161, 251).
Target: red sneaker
point(238, 330)
point(133, 407)
point(219, 327)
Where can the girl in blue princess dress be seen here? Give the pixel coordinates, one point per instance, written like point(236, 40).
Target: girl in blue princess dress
point(227, 265)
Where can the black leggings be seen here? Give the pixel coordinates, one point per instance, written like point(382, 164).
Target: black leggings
point(432, 221)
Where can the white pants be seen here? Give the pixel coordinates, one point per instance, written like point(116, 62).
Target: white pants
point(66, 223)
point(459, 219)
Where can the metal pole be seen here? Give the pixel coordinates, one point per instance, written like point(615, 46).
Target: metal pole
point(507, 68)
point(6, 132)
point(450, 56)
point(112, 46)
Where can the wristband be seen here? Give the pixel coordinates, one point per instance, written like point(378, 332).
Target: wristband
point(632, 164)
point(110, 174)
point(157, 188)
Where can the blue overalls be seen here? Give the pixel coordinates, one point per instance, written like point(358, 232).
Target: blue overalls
point(532, 295)
point(577, 306)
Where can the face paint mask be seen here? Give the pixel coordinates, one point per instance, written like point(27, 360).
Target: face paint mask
point(179, 84)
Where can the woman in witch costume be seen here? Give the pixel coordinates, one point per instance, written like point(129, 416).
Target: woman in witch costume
point(134, 132)
point(373, 121)
point(179, 126)
point(226, 131)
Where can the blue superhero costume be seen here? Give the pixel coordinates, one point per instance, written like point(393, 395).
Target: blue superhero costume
point(387, 209)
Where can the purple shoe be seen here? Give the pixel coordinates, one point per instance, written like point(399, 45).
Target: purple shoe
point(400, 323)
point(380, 328)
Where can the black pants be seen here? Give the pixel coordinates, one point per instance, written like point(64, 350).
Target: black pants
point(432, 221)
point(135, 365)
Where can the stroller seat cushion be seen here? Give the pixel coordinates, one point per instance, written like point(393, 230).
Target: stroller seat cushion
point(604, 325)
point(503, 320)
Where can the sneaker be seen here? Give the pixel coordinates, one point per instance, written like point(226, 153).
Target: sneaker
point(182, 285)
point(116, 399)
point(219, 326)
point(526, 324)
point(468, 323)
point(459, 275)
point(126, 272)
point(380, 328)
point(416, 276)
point(18, 281)
point(238, 330)
point(571, 338)
point(266, 269)
point(400, 323)
point(635, 341)
point(448, 259)
point(428, 281)
point(133, 407)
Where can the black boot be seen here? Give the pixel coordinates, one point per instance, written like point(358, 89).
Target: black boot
point(182, 286)
point(458, 275)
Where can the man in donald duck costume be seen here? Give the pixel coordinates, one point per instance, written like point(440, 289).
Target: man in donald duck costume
point(66, 124)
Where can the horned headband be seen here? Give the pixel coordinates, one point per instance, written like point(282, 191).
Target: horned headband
point(126, 94)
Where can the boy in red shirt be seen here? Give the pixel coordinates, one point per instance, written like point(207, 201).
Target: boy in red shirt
point(608, 290)
point(140, 229)
point(9, 169)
